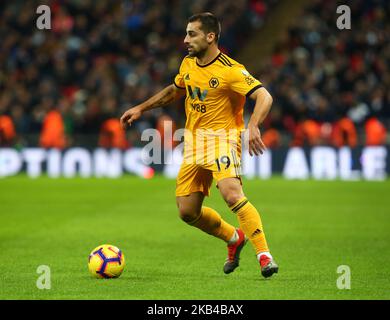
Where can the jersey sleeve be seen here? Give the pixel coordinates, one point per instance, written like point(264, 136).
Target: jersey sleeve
point(242, 82)
point(179, 78)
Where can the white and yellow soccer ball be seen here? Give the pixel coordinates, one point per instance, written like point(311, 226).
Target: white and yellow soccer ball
point(106, 261)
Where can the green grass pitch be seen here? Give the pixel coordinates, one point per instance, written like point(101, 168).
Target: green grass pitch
point(312, 227)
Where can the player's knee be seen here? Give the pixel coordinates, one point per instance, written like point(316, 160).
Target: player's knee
point(232, 197)
point(187, 214)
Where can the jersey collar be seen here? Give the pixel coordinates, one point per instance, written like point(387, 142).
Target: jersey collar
point(211, 62)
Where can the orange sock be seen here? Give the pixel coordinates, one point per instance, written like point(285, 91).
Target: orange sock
point(250, 223)
point(211, 222)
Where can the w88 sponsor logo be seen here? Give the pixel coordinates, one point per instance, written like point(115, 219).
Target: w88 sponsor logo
point(198, 107)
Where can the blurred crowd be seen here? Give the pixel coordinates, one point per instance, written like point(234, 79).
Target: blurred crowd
point(331, 86)
point(100, 57)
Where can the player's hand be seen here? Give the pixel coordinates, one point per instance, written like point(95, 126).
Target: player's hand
point(129, 116)
point(256, 145)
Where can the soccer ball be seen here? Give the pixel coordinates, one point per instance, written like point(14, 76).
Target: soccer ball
point(106, 261)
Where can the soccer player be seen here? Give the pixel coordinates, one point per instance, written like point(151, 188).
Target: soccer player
point(216, 87)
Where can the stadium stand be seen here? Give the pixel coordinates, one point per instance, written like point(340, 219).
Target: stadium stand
point(98, 58)
point(329, 85)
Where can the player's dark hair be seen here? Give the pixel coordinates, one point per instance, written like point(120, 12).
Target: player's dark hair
point(209, 23)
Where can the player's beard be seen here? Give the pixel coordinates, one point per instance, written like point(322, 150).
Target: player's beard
point(198, 54)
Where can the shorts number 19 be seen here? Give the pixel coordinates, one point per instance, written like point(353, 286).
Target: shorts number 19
point(223, 160)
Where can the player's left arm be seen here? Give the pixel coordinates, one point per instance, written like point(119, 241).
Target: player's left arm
point(263, 104)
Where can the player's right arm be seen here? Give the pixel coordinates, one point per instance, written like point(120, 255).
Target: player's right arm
point(162, 98)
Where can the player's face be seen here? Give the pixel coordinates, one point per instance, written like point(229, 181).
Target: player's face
point(196, 40)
